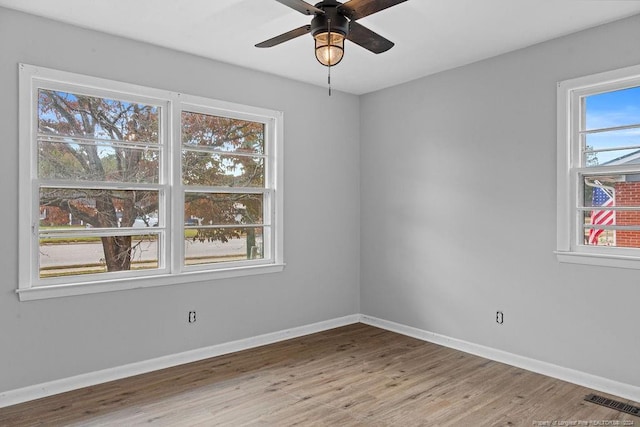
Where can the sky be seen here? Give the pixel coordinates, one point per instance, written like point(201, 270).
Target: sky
point(612, 109)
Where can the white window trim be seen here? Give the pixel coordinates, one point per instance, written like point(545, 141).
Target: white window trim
point(568, 149)
point(173, 272)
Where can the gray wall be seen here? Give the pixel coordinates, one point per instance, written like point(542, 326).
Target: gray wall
point(57, 338)
point(458, 210)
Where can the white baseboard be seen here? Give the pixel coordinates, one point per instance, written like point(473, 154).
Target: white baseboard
point(604, 385)
point(38, 391)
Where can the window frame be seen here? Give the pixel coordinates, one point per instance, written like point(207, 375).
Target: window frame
point(570, 169)
point(171, 266)
point(204, 106)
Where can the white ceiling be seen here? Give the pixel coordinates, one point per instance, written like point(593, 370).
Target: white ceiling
point(430, 35)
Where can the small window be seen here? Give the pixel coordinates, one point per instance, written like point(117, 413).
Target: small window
point(124, 186)
point(599, 169)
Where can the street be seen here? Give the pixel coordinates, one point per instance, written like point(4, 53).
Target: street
point(83, 254)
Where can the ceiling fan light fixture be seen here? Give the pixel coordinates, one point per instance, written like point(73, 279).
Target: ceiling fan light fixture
point(329, 48)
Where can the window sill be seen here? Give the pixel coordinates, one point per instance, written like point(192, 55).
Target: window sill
point(616, 261)
point(45, 292)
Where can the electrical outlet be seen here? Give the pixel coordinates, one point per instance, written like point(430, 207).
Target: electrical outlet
point(192, 317)
point(499, 317)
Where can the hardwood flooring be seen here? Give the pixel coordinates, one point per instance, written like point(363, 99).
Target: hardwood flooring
point(356, 375)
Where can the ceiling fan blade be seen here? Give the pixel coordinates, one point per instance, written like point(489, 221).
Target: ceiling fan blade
point(285, 37)
point(366, 38)
point(301, 6)
point(356, 9)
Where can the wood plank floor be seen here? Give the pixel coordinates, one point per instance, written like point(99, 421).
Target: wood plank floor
point(356, 375)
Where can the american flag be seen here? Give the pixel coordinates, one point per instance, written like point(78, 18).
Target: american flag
point(601, 198)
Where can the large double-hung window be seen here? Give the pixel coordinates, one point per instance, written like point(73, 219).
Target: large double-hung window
point(123, 186)
point(599, 169)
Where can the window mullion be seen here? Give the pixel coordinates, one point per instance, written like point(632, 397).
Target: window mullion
point(176, 203)
point(609, 129)
point(608, 170)
point(98, 185)
point(224, 190)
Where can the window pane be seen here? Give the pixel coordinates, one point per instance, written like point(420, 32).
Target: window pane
point(69, 114)
point(223, 209)
point(62, 256)
point(612, 190)
point(611, 109)
point(104, 161)
point(222, 133)
point(93, 208)
point(606, 191)
point(612, 158)
point(201, 168)
point(598, 236)
point(213, 245)
point(613, 142)
point(615, 238)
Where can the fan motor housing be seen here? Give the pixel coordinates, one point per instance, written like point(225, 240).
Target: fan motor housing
point(320, 23)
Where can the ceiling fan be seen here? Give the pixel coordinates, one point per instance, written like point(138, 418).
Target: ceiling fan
point(333, 22)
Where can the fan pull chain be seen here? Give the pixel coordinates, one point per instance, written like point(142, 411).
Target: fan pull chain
point(329, 66)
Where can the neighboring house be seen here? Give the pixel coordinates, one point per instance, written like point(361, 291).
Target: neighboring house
point(627, 193)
